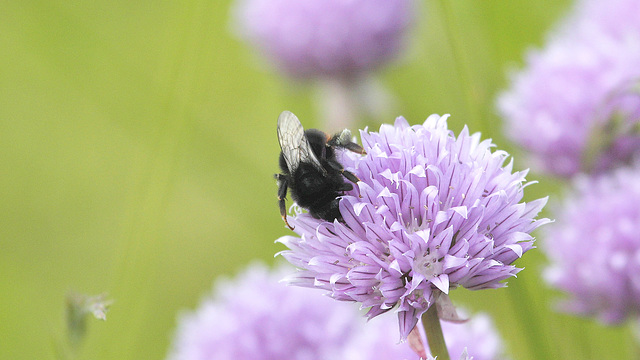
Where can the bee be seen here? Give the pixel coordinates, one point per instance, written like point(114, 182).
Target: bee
point(310, 170)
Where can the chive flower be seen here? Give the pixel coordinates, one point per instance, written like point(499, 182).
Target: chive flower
point(256, 317)
point(575, 106)
point(315, 38)
point(594, 247)
point(433, 211)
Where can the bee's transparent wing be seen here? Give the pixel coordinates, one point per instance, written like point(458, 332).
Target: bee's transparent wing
point(295, 146)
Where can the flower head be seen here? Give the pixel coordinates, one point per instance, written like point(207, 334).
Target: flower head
point(257, 317)
point(617, 18)
point(325, 37)
point(432, 212)
point(575, 105)
point(594, 246)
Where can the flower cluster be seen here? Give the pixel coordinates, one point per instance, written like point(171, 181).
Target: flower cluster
point(256, 317)
point(576, 105)
point(325, 37)
point(594, 247)
point(432, 212)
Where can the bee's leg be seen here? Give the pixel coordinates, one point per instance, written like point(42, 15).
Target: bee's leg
point(346, 187)
point(282, 195)
point(351, 176)
point(346, 173)
point(334, 211)
point(351, 146)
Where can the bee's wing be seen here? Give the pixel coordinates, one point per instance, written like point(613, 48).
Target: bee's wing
point(295, 146)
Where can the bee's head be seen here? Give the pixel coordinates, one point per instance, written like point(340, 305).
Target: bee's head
point(344, 138)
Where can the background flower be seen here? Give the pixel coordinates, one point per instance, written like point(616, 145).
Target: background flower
point(325, 37)
point(432, 212)
point(378, 340)
point(576, 104)
point(618, 18)
point(594, 246)
point(256, 317)
point(336, 43)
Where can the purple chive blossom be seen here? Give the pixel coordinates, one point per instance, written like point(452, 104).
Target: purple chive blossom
point(256, 317)
point(338, 38)
point(576, 104)
point(432, 212)
point(378, 341)
point(618, 18)
point(594, 246)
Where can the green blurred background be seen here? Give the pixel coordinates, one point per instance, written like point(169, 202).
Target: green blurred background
point(138, 148)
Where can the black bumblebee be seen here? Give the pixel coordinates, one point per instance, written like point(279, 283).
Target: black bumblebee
point(310, 169)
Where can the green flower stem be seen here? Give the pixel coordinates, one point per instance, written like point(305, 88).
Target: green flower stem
point(433, 330)
point(635, 339)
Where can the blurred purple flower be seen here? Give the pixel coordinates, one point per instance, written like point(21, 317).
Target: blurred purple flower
point(378, 340)
point(255, 317)
point(478, 336)
point(594, 246)
point(618, 18)
point(338, 38)
point(576, 105)
point(431, 213)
